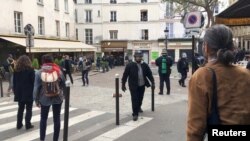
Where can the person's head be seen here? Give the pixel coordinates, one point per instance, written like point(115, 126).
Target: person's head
point(164, 52)
point(23, 63)
point(67, 57)
point(184, 55)
point(47, 58)
point(218, 43)
point(138, 56)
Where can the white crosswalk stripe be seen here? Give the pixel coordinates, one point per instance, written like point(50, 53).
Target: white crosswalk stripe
point(79, 120)
point(36, 118)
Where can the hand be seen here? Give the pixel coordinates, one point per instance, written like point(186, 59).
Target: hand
point(124, 88)
point(38, 104)
point(153, 86)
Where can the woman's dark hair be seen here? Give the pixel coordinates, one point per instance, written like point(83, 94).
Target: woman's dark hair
point(220, 39)
point(23, 63)
point(47, 58)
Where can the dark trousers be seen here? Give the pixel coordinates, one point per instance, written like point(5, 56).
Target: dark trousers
point(56, 119)
point(136, 98)
point(164, 78)
point(70, 76)
point(85, 76)
point(183, 78)
point(21, 106)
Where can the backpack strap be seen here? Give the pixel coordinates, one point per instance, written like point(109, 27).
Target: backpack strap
point(214, 117)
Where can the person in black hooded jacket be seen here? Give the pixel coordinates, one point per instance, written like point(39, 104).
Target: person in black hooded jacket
point(137, 73)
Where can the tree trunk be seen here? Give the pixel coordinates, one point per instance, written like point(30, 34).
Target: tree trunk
point(210, 17)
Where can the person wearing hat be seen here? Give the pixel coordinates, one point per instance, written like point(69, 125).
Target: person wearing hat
point(137, 73)
point(183, 68)
point(164, 64)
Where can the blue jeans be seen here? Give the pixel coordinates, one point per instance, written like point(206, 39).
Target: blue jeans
point(56, 118)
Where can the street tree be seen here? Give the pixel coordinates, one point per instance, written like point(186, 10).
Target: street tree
point(192, 5)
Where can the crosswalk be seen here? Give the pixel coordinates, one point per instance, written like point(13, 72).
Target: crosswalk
point(83, 125)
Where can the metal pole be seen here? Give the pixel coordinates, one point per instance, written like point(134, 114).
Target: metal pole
point(193, 47)
point(117, 98)
point(66, 113)
point(153, 99)
point(1, 85)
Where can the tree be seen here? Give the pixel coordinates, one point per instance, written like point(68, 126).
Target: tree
point(35, 63)
point(207, 5)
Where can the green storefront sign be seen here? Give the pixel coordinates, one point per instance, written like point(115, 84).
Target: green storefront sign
point(154, 55)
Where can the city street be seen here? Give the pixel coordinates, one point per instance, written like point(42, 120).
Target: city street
point(92, 113)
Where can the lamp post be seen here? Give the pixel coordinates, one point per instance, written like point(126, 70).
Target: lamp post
point(166, 37)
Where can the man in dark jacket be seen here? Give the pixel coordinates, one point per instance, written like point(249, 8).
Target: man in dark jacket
point(164, 63)
point(183, 68)
point(67, 68)
point(137, 74)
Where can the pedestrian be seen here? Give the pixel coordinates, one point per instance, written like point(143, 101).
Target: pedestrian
point(67, 67)
point(137, 73)
point(248, 63)
point(9, 67)
point(183, 68)
point(164, 64)
point(85, 67)
point(98, 63)
point(23, 84)
point(232, 85)
point(48, 91)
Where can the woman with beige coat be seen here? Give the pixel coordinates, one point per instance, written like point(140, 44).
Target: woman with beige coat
point(233, 85)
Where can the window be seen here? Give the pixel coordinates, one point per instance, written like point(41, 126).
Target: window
point(171, 30)
point(88, 36)
point(76, 34)
point(18, 19)
point(56, 4)
point(169, 9)
point(144, 15)
point(76, 18)
point(67, 29)
point(99, 13)
point(113, 34)
point(113, 1)
point(144, 34)
point(66, 6)
point(57, 28)
point(41, 30)
point(40, 2)
point(88, 16)
point(113, 16)
point(88, 1)
point(144, 1)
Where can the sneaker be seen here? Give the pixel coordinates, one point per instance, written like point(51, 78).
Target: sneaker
point(29, 127)
point(168, 93)
point(160, 93)
point(19, 126)
point(135, 118)
point(184, 85)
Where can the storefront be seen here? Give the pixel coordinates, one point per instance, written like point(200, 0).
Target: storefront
point(115, 48)
point(17, 47)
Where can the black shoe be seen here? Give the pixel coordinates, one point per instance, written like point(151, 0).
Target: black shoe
point(180, 82)
point(168, 93)
point(160, 93)
point(135, 118)
point(184, 85)
point(29, 127)
point(19, 127)
point(141, 111)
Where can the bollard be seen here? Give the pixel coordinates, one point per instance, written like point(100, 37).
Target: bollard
point(66, 113)
point(153, 99)
point(117, 98)
point(1, 85)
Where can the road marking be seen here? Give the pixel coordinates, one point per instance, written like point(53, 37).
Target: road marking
point(50, 129)
point(4, 103)
point(14, 113)
point(122, 130)
point(8, 107)
point(36, 118)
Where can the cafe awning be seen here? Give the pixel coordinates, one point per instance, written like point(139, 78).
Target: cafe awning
point(49, 45)
point(236, 15)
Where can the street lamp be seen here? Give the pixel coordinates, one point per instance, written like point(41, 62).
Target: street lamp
point(166, 37)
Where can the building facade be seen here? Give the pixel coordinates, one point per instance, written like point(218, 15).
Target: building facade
point(53, 22)
point(120, 27)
